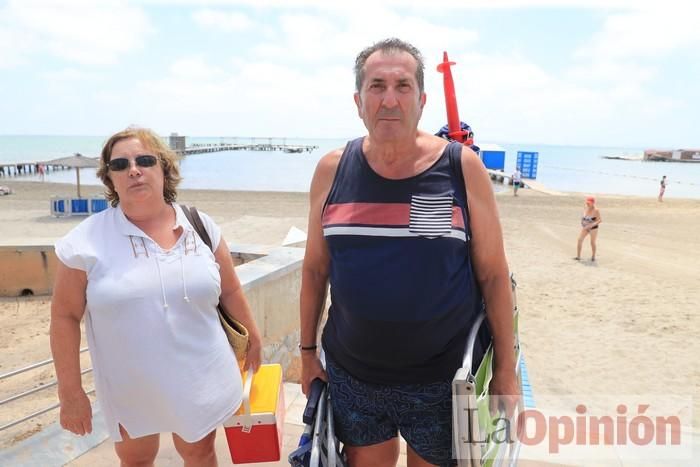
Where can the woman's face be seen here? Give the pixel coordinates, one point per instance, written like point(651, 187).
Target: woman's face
point(137, 182)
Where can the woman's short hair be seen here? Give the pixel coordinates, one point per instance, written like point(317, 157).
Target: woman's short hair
point(149, 139)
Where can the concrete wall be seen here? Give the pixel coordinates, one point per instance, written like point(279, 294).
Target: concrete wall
point(271, 278)
point(272, 284)
point(26, 270)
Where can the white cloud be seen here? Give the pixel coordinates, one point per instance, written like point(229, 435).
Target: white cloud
point(338, 38)
point(77, 31)
point(646, 32)
point(300, 83)
point(227, 21)
point(290, 74)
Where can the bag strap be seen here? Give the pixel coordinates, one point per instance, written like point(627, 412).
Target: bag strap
point(454, 152)
point(195, 219)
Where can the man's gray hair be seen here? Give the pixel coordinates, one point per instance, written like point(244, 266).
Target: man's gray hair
point(389, 46)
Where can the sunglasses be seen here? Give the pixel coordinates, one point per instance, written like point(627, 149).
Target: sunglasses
point(122, 163)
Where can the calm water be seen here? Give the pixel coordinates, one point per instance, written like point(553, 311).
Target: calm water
point(564, 168)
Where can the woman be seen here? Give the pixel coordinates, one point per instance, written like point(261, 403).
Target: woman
point(589, 226)
point(662, 189)
point(149, 288)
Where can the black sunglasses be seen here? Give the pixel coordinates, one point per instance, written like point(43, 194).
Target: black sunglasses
point(122, 163)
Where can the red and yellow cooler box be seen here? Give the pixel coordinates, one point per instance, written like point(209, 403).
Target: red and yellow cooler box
point(254, 433)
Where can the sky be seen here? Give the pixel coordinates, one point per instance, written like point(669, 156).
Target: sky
point(621, 73)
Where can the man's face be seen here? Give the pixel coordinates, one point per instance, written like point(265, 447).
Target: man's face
point(390, 103)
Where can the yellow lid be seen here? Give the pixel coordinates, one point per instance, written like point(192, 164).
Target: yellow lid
point(264, 393)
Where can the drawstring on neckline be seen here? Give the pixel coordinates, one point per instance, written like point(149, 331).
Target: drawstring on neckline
point(184, 282)
point(181, 250)
point(162, 286)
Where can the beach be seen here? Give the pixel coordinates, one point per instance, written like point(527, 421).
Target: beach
point(626, 324)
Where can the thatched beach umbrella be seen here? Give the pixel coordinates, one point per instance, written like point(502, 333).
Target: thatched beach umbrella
point(77, 161)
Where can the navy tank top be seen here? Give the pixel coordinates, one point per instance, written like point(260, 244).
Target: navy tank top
point(403, 292)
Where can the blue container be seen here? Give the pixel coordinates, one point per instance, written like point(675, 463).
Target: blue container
point(493, 158)
point(79, 206)
point(97, 205)
point(527, 162)
point(59, 206)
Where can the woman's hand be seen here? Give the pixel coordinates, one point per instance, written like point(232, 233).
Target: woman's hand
point(253, 357)
point(76, 413)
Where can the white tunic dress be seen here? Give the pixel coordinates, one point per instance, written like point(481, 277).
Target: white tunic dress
point(161, 360)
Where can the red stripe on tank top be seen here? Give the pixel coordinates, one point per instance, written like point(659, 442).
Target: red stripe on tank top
point(389, 214)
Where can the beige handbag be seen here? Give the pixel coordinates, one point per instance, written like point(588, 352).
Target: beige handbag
point(236, 333)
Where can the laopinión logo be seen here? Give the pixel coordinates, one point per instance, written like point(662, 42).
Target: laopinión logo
point(579, 428)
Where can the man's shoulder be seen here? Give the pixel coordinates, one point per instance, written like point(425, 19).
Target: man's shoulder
point(326, 169)
point(331, 159)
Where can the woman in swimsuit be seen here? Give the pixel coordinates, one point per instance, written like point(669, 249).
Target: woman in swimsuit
point(589, 226)
point(662, 189)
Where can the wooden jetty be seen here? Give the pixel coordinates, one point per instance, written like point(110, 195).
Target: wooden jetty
point(252, 146)
point(19, 169)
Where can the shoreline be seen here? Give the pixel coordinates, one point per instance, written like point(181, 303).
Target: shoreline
point(65, 188)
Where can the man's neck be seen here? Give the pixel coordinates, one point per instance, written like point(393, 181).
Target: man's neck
point(389, 152)
point(401, 159)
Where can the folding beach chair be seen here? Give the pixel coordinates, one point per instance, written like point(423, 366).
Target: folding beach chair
point(481, 439)
point(318, 446)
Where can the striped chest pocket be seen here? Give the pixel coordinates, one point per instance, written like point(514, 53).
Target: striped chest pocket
point(431, 216)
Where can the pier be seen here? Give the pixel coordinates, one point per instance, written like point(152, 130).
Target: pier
point(19, 169)
point(252, 146)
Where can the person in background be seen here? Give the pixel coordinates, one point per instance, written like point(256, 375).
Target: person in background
point(389, 227)
point(662, 189)
point(517, 180)
point(148, 287)
point(589, 226)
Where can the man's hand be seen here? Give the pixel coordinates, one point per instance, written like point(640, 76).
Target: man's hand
point(76, 413)
point(504, 391)
point(311, 369)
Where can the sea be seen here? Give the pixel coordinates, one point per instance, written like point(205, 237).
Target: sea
point(580, 169)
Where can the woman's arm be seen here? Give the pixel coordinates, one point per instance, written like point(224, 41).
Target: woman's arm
point(237, 306)
point(67, 309)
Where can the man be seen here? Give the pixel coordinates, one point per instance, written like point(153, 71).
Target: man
point(390, 227)
point(517, 180)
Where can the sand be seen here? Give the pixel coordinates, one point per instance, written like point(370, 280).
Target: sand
point(626, 324)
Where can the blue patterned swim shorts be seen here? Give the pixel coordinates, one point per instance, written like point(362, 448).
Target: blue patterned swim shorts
point(367, 414)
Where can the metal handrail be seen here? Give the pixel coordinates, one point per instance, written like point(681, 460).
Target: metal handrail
point(31, 367)
point(34, 390)
point(36, 414)
point(38, 388)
